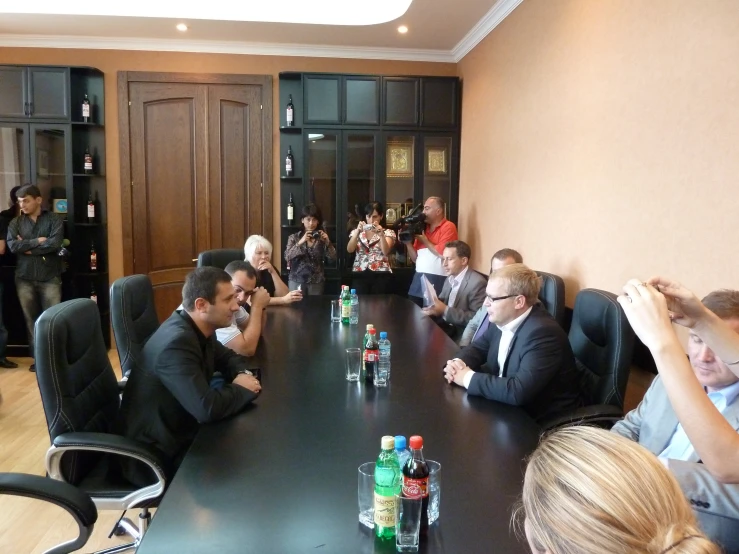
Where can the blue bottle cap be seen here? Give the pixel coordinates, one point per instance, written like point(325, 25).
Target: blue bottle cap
point(354, 291)
point(383, 334)
point(399, 442)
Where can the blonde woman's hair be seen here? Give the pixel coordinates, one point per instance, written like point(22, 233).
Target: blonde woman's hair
point(521, 280)
point(254, 242)
point(590, 491)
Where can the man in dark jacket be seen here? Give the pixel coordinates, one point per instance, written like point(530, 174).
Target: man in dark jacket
point(168, 395)
point(36, 236)
point(524, 357)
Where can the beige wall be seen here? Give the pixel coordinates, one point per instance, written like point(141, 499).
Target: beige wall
point(112, 61)
point(601, 139)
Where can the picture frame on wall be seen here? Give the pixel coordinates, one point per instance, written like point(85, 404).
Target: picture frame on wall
point(42, 163)
point(399, 159)
point(437, 160)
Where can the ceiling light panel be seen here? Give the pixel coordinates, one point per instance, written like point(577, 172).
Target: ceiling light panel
point(321, 12)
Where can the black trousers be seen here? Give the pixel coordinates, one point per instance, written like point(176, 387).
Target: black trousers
point(371, 282)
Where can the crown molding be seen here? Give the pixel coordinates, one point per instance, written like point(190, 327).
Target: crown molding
point(489, 21)
point(225, 47)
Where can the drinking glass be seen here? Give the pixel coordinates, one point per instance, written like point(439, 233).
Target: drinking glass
point(407, 522)
point(353, 363)
point(335, 311)
point(434, 490)
point(366, 494)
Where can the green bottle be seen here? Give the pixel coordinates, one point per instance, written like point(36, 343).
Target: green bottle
point(346, 305)
point(388, 483)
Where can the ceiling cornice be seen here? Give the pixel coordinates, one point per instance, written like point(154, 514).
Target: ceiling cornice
point(489, 21)
point(225, 47)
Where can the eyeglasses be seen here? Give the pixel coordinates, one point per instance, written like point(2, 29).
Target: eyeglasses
point(492, 299)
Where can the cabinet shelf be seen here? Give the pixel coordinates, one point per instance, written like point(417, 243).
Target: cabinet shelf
point(286, 129)
point(90, 273)
point(89, 224)
point(88, 124)
point(286, 178)
point(88, 175)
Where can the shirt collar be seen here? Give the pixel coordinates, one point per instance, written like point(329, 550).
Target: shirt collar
point(512, 326)
point(458, 279)
point(729, 393)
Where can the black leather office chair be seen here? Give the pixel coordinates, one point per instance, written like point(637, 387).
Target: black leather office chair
point(603, 342)
point(134, 318)
point(80, 397)
point(552, 295)
point(75, 502)
point(220, 257)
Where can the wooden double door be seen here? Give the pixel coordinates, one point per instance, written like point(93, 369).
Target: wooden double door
point(198, 159)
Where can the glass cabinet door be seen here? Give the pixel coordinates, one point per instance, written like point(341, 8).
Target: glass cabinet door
point(359, 170)
point(437, 171)
point(322, 174)
point(49, 151)
point(15, 162)
point(401, 167)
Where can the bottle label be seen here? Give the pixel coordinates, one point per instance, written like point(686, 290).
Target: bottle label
point(384, 510)
point(88, 164)
point(369, 356)
point(93, 261)
point(288, 165)
point(415, 487)
point(91, 210)
point(94, 298)
point(85, 110)
point(289, 115)
point(346, 310)
point(290, 212)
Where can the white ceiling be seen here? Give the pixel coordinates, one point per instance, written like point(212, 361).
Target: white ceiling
point(439, 30)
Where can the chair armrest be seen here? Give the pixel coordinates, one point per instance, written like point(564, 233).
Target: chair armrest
point(64, 495)
point(111, 444)
point(602, 415)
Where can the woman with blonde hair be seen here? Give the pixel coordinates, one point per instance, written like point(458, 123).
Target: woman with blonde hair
point(258, 252)
point(589, 491)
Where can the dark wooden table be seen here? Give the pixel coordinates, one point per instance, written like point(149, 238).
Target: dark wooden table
point(282, 477)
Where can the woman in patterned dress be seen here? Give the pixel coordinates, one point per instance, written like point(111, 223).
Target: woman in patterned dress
point(371, 270)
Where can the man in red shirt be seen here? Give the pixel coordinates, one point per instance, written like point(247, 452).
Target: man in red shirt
point(428, 249)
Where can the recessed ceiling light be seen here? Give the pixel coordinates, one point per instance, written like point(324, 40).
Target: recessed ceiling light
point(181, 27)
point(402, 29)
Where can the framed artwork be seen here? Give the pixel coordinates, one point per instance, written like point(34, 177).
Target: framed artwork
point(436, 161)
point(399, 159)
point(42, 163)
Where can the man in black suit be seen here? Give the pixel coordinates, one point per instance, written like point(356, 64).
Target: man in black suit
point(524, 358)
point(463, 292)
point(168, 395)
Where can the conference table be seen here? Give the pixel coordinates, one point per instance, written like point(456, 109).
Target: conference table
point(281, 477)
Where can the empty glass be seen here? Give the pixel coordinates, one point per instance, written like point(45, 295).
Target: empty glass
point(366, 494)
point(353, 363)
point(335, 311)
point(434, 490)
point(407, 522)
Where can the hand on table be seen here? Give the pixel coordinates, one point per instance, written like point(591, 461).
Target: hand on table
point(436, 310)
point(292, 296)
point(260, 298)
point(455, 371)
point(248, 382)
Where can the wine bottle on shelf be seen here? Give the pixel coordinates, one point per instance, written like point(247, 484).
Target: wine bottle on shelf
point(93, 294)
point(90, 209)
point(93, 258)
point(88, 161)
point(290, 111)
point(86, 109)
point(290, 210)
point(289, 163)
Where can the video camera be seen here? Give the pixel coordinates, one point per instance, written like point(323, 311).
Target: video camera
point(411, 225)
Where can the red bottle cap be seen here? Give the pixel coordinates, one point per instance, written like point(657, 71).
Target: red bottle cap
point(372, 332)
point(416, 441)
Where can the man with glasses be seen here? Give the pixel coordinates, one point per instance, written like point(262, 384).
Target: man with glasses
point(242, 336)
point(524, 358)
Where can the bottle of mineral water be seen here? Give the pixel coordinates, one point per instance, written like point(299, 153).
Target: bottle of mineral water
point(401, 450)
point(346, 306)
point(388, 483)
point(355, 307)
point(382, 375)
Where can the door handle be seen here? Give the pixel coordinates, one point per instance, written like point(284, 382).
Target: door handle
point(30, 108)
point(25, 108)
point(194, 260)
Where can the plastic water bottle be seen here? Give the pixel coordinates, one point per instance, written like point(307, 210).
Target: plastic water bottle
point(355, 307)
point(401, 450)
point(382, 375)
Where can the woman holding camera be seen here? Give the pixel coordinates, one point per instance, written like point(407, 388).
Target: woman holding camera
point(305, 253)
point(371, 271)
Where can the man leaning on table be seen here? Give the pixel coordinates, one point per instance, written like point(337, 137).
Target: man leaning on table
point(524, 358)
point(168, 395)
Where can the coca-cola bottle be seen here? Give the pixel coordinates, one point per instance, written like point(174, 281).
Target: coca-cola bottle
point(416, 478)
point(371, 355)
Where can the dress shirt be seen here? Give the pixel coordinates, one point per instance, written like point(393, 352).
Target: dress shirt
point(507, 332)
point(680, 447)
point(455, 282)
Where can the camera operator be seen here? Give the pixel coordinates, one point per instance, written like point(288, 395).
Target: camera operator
point(428, 248)
point(305, 253)
point(371, 269)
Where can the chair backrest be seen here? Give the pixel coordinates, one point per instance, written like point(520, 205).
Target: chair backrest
point(603, 343)
point(552, 296)
point(79, 390)
point(134, 317)
point(220, 257)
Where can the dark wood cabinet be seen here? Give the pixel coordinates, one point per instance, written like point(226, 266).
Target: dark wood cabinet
point(48, 150)
point(400, 96)
point(360, 138)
